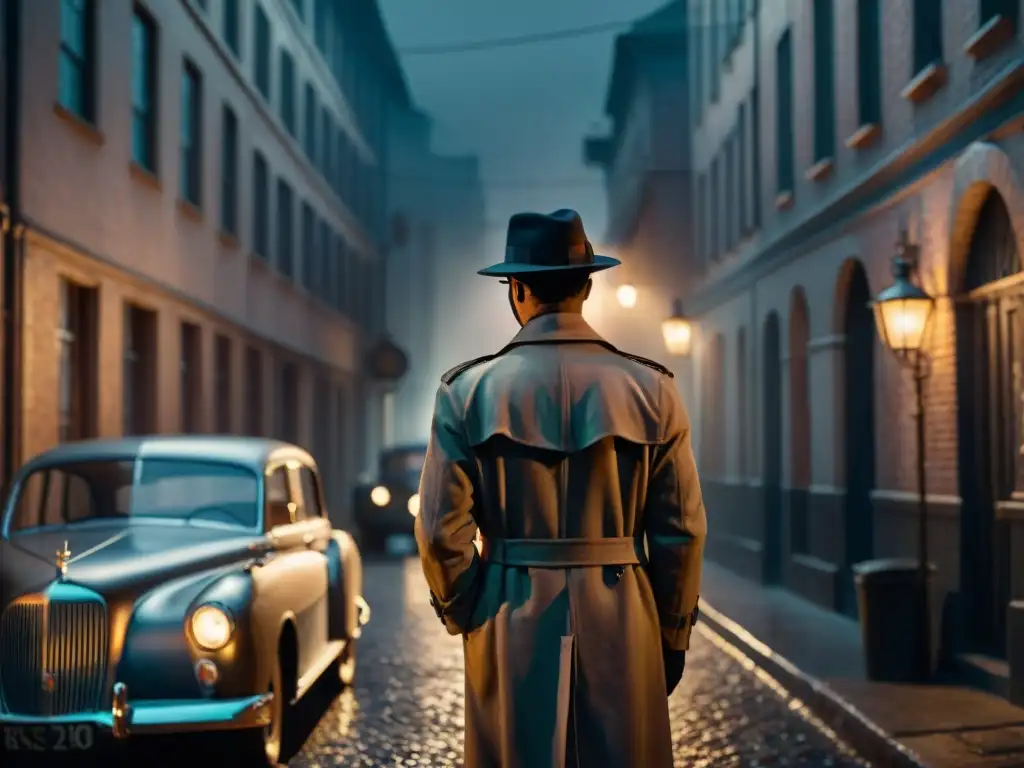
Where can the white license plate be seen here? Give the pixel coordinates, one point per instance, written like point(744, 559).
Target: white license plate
point(62, 737)
point(400, 545)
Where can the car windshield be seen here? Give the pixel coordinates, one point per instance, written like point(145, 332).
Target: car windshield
point(188, 490)
point(407, 462)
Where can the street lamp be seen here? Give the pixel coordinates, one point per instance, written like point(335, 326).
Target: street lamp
point(902, 313)
point(677, 331)
point(626, 294)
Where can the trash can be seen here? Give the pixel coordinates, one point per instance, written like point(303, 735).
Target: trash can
point(890, 596)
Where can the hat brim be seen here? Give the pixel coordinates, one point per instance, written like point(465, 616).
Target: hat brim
point(506, 269)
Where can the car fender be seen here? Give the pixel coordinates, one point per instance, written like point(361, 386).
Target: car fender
point(345, 584)
point(159, 656)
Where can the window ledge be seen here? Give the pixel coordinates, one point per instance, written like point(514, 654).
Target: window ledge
point(925, 83)
point(992, 36)
point(145, 175)
point(864, 136)
point(228, 240)
point(81, 125)
point(821, 170)
point(190, 210)
point(784, 200)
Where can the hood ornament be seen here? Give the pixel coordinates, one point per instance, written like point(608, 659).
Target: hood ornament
point(63, 556)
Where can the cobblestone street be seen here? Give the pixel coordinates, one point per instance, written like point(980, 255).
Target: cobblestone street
point(406, 709)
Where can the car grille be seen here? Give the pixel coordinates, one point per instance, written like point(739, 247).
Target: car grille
point(53, 654)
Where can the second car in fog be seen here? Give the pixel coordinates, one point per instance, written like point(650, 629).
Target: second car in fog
point(386, 508)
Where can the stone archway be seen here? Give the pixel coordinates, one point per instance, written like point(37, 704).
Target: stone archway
point(771, 459)
point(858, 329)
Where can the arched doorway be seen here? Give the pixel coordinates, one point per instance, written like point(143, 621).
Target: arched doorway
point(771, 464)
point(859, 435)
point(990, 387)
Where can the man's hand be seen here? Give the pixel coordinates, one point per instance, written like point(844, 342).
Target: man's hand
point(675, 662)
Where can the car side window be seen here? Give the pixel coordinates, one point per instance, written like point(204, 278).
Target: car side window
point(310, 493)
point(280, 510)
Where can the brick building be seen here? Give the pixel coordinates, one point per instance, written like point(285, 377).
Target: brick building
point(821, 130)
point(199, 221)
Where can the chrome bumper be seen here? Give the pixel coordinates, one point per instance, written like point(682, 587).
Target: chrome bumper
point(139, 718)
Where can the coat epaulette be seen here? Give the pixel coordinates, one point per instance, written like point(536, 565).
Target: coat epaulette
point(649, 363)
point(453, 373)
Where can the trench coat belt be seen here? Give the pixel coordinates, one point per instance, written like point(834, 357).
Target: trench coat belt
point(564, 553)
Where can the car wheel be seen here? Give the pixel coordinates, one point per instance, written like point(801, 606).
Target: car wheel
point(347, 664)
point(270, 745)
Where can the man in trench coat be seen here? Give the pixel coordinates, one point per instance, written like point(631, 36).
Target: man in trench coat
point(567, 456)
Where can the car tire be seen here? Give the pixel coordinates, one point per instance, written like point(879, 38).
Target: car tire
point(347, 664)
point(272, 745)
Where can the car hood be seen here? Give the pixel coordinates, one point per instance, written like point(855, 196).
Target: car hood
point(120, 557)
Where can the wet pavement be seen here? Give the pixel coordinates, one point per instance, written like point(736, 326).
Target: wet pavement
point(406, 708)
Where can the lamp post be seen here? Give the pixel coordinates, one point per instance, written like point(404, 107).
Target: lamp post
point(677, 331)
point(902, 313)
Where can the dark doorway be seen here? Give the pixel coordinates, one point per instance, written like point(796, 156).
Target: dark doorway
point(772, 456)
point(859, 423)
point(990, 361)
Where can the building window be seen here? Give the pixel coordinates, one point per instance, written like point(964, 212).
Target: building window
point(337, 255)
point(222, 385)
point(698, 34)
point(322, 423)
point(139, 381)
point(755, 157)
point(285, 228)
point(869, 62)
point(78, 336)
point(927, 34)
point(261, 52)
point(714, 213)
point(191, 378)
point(233, 26)
point(308, 247)
point(742, 182)
point(784, 115)
point(78, 57)
point(326, 144)
point(191, 133)
point(309, 121)
point(714, 51)
point(321, 25)
point(824, 82)
point(729, 214)
point(1007, 9)
point(253, 392)
point(287, 86)
point(260, 204)
point(323, 258)
point(288, 404)
point(144, 86)
point(229, 171)
point(701, 214)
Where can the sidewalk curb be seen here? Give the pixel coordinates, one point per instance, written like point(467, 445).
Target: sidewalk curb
point(850, 724)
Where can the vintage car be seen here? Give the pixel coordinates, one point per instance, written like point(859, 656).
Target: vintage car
point(170, 584)
point(386, 508)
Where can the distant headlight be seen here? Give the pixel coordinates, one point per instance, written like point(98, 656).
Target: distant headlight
point(414, 504)
point(380, 496)
point(212, 627)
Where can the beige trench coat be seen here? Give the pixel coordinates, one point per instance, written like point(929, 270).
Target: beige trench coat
point(560, 436)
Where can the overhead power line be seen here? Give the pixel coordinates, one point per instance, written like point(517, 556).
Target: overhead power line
point(544, 37)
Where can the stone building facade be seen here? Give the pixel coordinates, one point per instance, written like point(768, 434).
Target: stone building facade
point(821, 131)
point(201, 221)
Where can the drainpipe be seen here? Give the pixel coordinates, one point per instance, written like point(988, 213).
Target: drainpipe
point(10, 301)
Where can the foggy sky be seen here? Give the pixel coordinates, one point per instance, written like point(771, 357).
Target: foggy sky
point(524, 110)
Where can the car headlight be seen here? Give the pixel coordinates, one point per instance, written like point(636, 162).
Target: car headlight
point(380, 496)
point(414, 504)
point(212, 627)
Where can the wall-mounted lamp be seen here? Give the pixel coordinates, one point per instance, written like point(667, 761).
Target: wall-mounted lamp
point(677, 331)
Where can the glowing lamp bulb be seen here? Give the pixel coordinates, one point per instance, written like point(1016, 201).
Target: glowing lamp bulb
point(626, 295)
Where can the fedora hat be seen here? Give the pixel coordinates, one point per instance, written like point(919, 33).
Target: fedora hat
point(544, 243)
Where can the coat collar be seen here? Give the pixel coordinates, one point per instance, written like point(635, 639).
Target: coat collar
point(556, 328)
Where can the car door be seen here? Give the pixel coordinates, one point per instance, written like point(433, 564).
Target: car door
point(316, 535)
point(296, 576)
